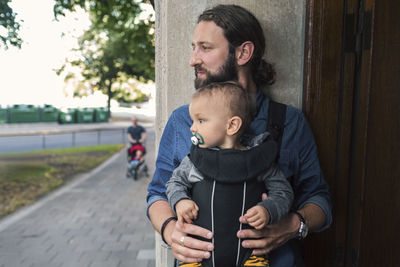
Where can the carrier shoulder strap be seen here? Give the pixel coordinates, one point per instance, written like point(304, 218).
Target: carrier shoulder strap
point(276, 121)
point(276, 126)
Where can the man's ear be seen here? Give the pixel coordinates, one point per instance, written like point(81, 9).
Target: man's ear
point(244, 53)
point(234, 125)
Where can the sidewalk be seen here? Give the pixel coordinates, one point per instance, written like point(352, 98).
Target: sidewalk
point(96, 220)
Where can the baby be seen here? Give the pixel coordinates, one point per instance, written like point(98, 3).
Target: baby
point(219, 180)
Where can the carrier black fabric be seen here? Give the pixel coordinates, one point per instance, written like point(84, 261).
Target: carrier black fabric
point(233, 166)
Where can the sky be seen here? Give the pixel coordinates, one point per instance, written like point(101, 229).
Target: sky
point(27, 75)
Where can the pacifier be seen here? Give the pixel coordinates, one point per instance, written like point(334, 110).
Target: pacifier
point(197, 139)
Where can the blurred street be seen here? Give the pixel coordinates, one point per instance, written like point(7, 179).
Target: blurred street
point(98, 219)
point(21, 137)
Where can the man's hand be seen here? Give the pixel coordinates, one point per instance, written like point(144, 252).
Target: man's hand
point(257, 216)
point(186, 210)
point(275, 235)
point(192, 250)
point(271, 236)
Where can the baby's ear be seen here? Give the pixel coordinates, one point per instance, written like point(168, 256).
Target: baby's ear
point(234, 125)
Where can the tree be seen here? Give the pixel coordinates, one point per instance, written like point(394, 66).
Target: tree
point(9, 26)
point(118, 45)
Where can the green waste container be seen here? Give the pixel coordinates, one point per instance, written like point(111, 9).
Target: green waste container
point(48, 113)
point(100, 115)
point(84, 115)
point(3, 115)
point(23, 113)
point(67, 115)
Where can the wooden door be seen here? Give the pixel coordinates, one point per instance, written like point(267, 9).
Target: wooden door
point(352, 101)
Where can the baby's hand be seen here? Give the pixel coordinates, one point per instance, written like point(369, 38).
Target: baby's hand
point(257, 216)
point(186, 210)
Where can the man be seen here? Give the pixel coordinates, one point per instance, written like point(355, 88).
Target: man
point(136, 137)
point(136, 133)
point(228, 44)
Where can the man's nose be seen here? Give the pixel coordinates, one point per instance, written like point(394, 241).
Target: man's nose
point(195, 58)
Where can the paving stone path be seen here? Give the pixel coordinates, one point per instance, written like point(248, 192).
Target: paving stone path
point(96, 220)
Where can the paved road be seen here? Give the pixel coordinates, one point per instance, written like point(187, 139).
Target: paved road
point(53, 127)
point(20, 137)
point(96, 220)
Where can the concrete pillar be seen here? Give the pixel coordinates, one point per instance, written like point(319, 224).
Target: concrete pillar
point(283, 24)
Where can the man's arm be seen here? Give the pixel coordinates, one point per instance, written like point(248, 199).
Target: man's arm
point(313, 215)
point(158, 213)
point(143, 137)
point(131, 140)
point(158, 209)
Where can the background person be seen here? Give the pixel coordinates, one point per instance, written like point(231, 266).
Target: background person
point(136, 132)
point(136, 136)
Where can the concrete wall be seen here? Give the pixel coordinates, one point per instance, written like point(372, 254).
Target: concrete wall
point(283, 23)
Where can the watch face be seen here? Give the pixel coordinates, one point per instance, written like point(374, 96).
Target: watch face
point(303, 231)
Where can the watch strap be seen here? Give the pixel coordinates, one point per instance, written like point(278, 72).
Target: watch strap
point(300, 216)
point(303, 226)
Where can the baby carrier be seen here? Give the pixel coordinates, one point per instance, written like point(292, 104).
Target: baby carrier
point(229, 189)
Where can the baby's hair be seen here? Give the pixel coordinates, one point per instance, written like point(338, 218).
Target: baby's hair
point(234, 97)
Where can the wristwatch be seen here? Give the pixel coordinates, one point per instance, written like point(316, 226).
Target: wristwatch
point(303, 230)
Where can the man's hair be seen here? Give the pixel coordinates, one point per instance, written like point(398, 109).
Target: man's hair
point(239, 26)
point(234, 97)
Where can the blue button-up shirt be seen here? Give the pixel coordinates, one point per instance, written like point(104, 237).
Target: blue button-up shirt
point(298, 161)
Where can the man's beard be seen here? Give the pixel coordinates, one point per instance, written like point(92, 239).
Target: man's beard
point(227, 72)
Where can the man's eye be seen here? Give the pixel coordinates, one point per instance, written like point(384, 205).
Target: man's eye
point(201, 120)
point(206, 47)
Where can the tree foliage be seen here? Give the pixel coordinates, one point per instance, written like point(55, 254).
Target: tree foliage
point(118, 45)
point(9, 26)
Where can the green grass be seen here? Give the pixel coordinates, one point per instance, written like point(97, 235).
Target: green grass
point(69, 150)
point(25, 177)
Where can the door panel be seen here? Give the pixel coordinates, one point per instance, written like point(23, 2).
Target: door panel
point(380, 202)
point(352, 101)
point(323, 101)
